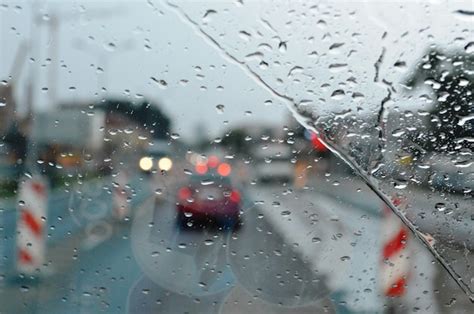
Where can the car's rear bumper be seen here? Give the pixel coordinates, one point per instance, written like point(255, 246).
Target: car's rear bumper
point(218, 211)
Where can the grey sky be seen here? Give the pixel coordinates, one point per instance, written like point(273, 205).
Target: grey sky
point(198, 79)
point(152, 41)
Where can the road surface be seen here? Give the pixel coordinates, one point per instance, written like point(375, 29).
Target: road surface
point(298, 251)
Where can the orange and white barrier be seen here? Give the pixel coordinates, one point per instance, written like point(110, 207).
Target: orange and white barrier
point(121, 206)
point(32, 213)
point(395, 266)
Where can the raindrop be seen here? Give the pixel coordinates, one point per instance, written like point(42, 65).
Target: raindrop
point(337, 67)
point(220, 108)
point(441, 207)
point(400, 65)
point(161, 83)
point(398, 132)
point(207, 16)
point(338, 94)
point(207, 182)
point(335, 46)
point(282, 46)
point(245, 35)
point(357, 96)
point(24, 288)
point(400, 185)
point(110, 46)
point(208, 242)
point(469, 47)
point(321, 24)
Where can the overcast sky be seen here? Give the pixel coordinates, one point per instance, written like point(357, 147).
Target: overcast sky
point(132, 46)
point(147, 44)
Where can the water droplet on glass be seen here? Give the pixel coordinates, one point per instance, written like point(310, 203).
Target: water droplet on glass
point(161, 83)
point(338, 94)
point(207, 182)
point(220, 108)
point(469, 48)
point(110, 47)
point(282, 46)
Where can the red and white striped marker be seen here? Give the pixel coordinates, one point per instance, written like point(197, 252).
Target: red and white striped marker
point(395, 267)
point(32, 209)
point(121, 206)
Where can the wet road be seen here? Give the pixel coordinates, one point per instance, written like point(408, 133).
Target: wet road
point(296, 252)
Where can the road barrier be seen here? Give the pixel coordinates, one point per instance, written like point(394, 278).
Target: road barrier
point(65, 215)
point(395, 266)
point(32, 213)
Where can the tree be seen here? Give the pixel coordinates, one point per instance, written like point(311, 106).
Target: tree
point(235, 141)
point(450, 76)
point(145, 113)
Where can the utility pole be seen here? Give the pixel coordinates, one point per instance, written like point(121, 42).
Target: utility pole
point(54, 21)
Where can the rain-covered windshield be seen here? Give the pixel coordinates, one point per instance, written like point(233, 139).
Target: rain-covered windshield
point(236, 156)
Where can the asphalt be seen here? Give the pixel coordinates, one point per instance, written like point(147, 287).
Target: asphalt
point(298, 251)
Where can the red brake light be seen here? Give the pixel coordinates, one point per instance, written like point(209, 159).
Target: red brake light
point(184, 193)
point(212, 161)
point(201, 168)
point(235, 196)
point(224, 169)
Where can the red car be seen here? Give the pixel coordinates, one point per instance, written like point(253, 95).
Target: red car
point(208, 198)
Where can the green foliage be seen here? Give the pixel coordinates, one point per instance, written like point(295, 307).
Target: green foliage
point(145, 113)
point(450, 76)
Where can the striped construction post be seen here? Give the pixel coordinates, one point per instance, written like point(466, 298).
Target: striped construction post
point(31, 222)
point(121, 205)
point(395, 267)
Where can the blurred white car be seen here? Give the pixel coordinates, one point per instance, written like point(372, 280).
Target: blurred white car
point(273, 163)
